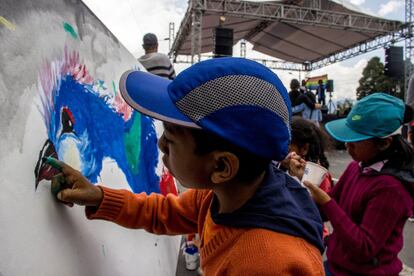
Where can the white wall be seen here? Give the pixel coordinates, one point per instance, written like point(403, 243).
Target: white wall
point(39, 236)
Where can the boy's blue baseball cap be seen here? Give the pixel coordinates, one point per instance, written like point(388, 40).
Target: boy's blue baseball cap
point(237, 99)
point(377, 115)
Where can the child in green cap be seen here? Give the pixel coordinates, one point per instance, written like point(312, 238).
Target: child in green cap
point(373, 198)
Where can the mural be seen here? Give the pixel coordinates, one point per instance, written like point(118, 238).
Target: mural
point(59, 97)
point(85, 125)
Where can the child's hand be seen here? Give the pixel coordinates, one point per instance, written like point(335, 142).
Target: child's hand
point(318, 195)
point(81, 191)
point(284, 164)
point(296, 166)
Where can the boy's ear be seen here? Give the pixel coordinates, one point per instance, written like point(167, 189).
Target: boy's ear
point(226, 166)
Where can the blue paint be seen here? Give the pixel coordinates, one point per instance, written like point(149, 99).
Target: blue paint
point(148, 152)
point(97, 132)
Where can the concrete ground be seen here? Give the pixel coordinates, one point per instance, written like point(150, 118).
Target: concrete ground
point(338, 161)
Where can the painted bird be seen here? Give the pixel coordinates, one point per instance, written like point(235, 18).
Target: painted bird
point(85, 127)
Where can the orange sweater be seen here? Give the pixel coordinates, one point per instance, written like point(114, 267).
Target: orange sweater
point(232, 251)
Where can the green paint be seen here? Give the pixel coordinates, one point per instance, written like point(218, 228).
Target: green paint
point(58, 184)
point(69, 29)
point(53, 162)
point(132, 141)
point(113, 86)
point(8, 25)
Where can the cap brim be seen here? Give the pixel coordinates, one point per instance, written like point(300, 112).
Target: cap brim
point(148, 94)
point(340, 131)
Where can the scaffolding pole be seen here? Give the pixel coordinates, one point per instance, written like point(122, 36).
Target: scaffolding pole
point(409, 41)
point(171, 31)
point(197, 18)
point(243, 48)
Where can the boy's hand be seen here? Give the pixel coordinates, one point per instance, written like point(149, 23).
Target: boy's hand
point(297, 166)
point(318, 106)
point(318, 195)
point(82, 192)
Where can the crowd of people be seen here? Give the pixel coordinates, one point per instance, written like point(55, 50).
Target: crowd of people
point(304, 101)
point(230, 139)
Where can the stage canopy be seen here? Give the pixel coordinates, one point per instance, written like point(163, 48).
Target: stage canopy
point(298, 31)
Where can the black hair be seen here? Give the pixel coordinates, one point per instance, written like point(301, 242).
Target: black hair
point(250, 165)
point(408, 114)
point(400, 154)
point(294, 84)
point(305, 132)
point(294, 97)
point(149, 47)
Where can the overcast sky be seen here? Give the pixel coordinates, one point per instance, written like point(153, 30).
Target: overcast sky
point(129, 20)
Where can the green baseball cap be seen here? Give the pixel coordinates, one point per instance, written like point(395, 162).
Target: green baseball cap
point(377, 115)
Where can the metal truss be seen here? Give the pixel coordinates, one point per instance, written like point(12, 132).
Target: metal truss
point(189, 59)
point(362, 48)
point(316, 4)
point(272, 64)
point(243, 48)
point(190, 25)
point(183, 31)
point(409, 42)
point(299, 15)
point(283, 65)
point(310, 14)
point(196, 26)
point(171, 32)
point(356, 50)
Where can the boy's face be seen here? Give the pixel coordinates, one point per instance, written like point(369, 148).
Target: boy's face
point(190, 169)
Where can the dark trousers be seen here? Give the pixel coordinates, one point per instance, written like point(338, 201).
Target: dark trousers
point(326, 267)
point(321, 101)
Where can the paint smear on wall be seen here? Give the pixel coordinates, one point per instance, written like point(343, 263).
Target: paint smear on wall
point(7, 23)
point(84, 127)
point(69, 29)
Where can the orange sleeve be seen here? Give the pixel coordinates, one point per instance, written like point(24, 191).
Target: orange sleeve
point(158, 214)
point(267, 253)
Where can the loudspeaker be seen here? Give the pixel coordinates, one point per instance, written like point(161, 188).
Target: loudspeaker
point(330, 86)
point(223, 42)
point(394, 62)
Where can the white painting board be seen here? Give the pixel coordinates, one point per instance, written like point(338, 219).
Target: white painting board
point(48, 48)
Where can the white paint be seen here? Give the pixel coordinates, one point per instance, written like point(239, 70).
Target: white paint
point(112, 176)
point(68, 151)
point(39, 236)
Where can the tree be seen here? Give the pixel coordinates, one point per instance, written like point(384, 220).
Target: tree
point(373, 79)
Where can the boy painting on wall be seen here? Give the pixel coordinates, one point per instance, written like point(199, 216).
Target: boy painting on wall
point(225, 120)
